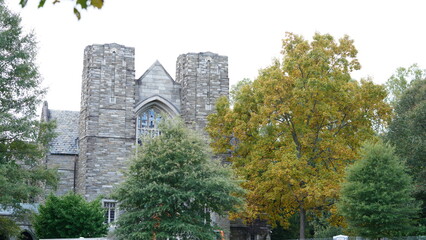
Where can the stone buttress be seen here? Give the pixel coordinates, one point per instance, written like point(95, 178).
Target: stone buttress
point(107, 121)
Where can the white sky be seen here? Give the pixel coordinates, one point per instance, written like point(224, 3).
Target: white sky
point(388, 34)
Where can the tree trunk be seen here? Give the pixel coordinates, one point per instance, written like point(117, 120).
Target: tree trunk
point(302, 213)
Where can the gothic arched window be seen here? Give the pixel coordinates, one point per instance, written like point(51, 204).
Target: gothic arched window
point(147, 123)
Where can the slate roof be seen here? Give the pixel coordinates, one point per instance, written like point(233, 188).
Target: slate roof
point(27, 206)
point(66, 130)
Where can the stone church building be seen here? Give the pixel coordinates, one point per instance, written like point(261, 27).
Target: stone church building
point(93, 144)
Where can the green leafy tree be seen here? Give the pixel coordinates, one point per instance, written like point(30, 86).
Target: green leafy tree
point(291, 231)
point(172, 186)
point(322, 227)
point(23, 140)
point(293, 130)
point(79, 5)
point(8, 228)
point(70, 216)
point(407, 133)
point(401, 80)
point(376, 199)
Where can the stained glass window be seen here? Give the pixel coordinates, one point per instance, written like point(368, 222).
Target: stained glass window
point(147, 124)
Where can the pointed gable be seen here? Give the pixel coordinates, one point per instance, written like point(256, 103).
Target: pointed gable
point(156, 71)
point(156, 81)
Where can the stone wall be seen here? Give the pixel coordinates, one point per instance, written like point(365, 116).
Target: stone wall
point(107, 120)
point(65, 164)
point(204, 78)
point(63, 149)
point(157, 82)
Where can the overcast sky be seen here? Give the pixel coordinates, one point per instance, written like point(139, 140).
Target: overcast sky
point(387, 34)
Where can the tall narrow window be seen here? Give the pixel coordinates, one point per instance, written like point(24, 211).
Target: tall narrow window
point(110, 211)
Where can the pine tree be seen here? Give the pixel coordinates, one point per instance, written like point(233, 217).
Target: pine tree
point(376, 198)
point(172, 186)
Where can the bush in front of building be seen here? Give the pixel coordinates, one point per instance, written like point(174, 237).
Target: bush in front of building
point(70, 216)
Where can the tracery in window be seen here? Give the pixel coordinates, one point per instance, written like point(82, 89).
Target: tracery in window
point(148, 123)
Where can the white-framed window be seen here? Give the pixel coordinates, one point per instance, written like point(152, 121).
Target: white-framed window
point(110, 207)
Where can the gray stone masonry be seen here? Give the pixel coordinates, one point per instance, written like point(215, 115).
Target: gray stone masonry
point(63, 150)
point(111, 98)
point(65, 164)
point(204, 78)
point(156, 82)
point(107, 119)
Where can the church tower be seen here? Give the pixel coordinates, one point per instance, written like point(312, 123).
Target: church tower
point(204, 78)
point(107, 121)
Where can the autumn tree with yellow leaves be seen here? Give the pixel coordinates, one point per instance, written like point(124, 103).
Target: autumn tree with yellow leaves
point(291, 132)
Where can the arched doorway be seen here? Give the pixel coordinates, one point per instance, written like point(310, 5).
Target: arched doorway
point(25, 235)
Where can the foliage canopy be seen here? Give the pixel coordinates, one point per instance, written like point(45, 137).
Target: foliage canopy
point(172, 186)
point(407, 133)
point(293, 130)
point(70, 216)
point(8, 228)
point(22, 139)
point(401, 80)
point(376, 199)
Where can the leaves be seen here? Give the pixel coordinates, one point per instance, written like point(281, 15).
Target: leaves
point(70, 216)
point(293, 130)
point(82, 3)
point(8, 228)
point(171, 187)
point(97, 3)
point(77, 13)
point(79, 5)
point(407, 133)
point(376, 199)
point(23, 140)
point(401, 80)
point(41, 3)
point(23, 3)
point(407, 130)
